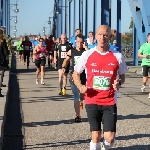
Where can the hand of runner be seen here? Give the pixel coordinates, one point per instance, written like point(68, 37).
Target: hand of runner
point(83, 89)
point(146, 56)
point(84, 45)
point(71, 78)
point(116, 85)
point(63, 70)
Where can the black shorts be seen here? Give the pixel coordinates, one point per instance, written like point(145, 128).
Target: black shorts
point(102, 114)
point(59, 66)
point(145, 70)
point(40, 62)
point(20, 52)
point(51, 53)
point(82, 77)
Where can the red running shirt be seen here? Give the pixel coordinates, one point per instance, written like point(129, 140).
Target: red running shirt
point(101, 70)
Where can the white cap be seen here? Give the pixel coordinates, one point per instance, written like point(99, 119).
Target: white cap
point(115, 41)
point(36, 38)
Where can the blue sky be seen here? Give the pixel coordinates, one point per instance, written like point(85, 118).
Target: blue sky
point(33, 16)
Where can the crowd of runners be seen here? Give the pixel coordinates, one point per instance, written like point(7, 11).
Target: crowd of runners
point(95, 68)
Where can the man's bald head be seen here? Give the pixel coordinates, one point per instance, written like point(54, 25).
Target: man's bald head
point(103, 35)
point(63, 38)
point(104, 28)
point(63, 35)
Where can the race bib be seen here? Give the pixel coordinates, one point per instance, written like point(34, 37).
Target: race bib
point(42, 55)
point(76, 58)
point(63, 54)
point(101, 83)
point(63, 48)
point(26, 48)
point(50, 52)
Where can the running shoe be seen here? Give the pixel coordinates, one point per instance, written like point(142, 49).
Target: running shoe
point(42, 82)
point(143, 88)
point(64, 91)
point(149, 95)
point(78, 119)
point(37, 81)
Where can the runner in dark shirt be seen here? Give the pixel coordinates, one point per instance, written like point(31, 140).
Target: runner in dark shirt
point(62, 50)
point(27, 45)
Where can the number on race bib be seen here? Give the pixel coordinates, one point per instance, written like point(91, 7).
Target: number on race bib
point(42, 55)
point(63, 54)
point(101, 83)
point(26, 48)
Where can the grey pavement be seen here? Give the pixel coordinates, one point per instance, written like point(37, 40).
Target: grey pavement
point(134, 69)
point(48, 119)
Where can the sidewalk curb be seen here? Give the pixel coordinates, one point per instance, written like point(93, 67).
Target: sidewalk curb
point(5, 108)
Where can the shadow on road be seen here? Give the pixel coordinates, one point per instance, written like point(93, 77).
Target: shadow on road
point(58, 144)
point(13, 136)
point(132, 116)
point(135, 147)
point(51, 123)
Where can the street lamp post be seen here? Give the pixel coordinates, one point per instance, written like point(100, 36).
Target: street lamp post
point(58, 12)
point(16, 21)
point(14, 35)
point(15, 30)
point(44, 29)
point(16, 10)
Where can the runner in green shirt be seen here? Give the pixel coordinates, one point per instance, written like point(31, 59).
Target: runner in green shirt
point(144, 53)
point(20, 49)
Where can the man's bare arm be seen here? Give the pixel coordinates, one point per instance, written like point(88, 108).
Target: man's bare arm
point(55, 54)
point(35, 50)
point(142, 56)
point(85, 46)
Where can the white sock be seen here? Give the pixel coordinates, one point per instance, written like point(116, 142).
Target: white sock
point(94, 146)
